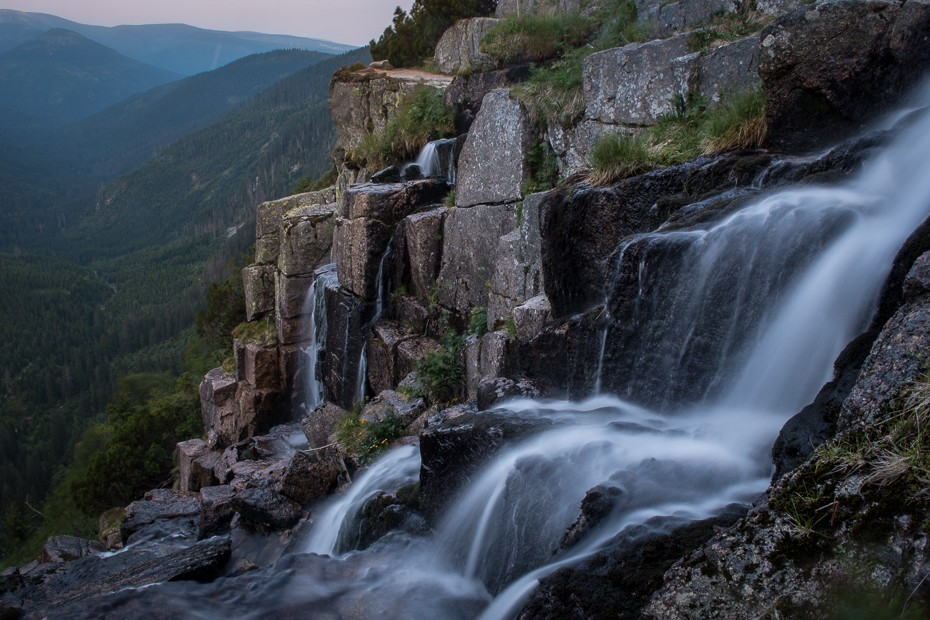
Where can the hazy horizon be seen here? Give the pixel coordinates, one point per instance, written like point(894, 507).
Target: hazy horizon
point(350, 22)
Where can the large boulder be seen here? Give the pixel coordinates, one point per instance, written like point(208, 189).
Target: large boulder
point(729, 69)
point(67, 548)
point(423, 236)
point(306, 235)
point(633, 85)
point(267, 507)
point(310, 475)
point(218, 399)
point(195, 465)
point(320, 424)
point(665, 18)
point(831, 67)
point(466, 92)
point(492, 164)
point(361, 103)
point(470, 244)
point(216, 510)
point(158, 505)
point(459, 49)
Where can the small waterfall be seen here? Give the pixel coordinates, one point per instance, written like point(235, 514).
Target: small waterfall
point(315, 313)
point(332, 534)
point(384, 280)
point(436, 160)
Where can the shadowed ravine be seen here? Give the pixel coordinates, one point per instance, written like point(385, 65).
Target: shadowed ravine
point(738, 341)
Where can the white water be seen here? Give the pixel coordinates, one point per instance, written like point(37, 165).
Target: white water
point(431, 164)
point(384, 289)
point(315, 310)
point(691, 464)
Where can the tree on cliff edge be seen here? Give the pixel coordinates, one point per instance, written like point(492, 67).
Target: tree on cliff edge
point(412, 37)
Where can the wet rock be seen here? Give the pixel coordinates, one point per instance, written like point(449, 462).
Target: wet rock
point(267, 507)
point(346, 317)
point(563, 354)
point(497, 355)
point(411, 172)
point(411, 312)
point(218, 398)
point(383, 339)
point(632, 85)
point(466, 92)
point(195, 465)
point(729, 69)
point(597, 504)
point(108, 525)
point(454, 449)
point(497, 390)
point(917, 284)
point(492, 164)
point(158, 505)
point(531, 316)
point(259, 410)
point(67, 548)
point(618, 581)
point(357, 249)
point(459, 49)
point(423, 235)
point(310, 475)
point(320, 424)
point(216, 510)
point(258, 286)
point(388, 512)
point(201, 562)
point(895, 358)
point(828, 69)
point(470, 241)
point(406, 408)
point(291, 295)
point(391, 202)
point(472, 363)
point(391, 174)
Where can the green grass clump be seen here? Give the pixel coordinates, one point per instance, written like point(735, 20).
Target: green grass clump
point(421, 116)
point(536, 38)
point(725, 28)
point(439, 371)
point(692, 129)
point(262, 332)
point(478, 321)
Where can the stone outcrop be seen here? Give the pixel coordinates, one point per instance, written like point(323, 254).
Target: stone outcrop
point(470, 243)
point(633, 85)
point(665, 18)
point(829, 69)
point(466, 92)
point(459, 49)
point(492, 165)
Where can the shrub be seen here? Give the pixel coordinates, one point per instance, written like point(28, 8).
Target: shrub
point(421, 116)
point(364, 439)
point(478, 321)
point(535, 38)
point(439, 371)
point(738, 124)
point(617, 156)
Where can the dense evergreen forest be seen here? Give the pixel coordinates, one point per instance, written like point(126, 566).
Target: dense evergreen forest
point(121, 300)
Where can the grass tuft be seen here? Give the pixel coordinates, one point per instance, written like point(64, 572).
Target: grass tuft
point(536, 37)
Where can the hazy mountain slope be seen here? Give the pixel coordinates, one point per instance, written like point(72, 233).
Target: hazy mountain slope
point(212, 179)
point(130, 132)
point(179, 48)
point(12, 35)
point(65, 76)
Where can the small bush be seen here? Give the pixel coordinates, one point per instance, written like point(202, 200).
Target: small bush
point(262, 331)
point(421, 116)
point(440, 373)
point(617, 156)
point(738, 124)
point(364, 439)
point(478, 321)
point(535, 38)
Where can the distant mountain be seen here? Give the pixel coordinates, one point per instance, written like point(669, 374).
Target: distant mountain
point(179, 48)
point(213, 179)
point(12, 34)
point(63, 76)
point(128, 133)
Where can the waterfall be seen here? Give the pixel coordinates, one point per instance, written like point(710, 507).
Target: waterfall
point(436, 159)
point(314, 312)
point(384, 279)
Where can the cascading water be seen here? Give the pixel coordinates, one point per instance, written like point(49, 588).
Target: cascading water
point(384, 279)
point(315, 311)
point(744, 319)
point(436, 160)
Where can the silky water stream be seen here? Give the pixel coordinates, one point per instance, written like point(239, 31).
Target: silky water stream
point(792, 300)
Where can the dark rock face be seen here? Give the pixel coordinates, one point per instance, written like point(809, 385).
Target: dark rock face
point(319, 424)
point(158, 505)
point(310, 475)
point(465, 93)
point(201, 562)
point(453, 450)
point(827, 69)
point(492, 391)
point(66, 548)
point(345, 337)
point(597, 503)
point(216, 510)
point(565, 354)
point(267, 507)
point(617, 582)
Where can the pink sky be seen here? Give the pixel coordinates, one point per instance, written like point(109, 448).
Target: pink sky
point(353, 22)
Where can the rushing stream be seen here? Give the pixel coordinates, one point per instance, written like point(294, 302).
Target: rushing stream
point(782, 285)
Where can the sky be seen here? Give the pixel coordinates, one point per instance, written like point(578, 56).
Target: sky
point(353, 22)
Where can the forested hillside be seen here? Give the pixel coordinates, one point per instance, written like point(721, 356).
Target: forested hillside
point(151, 243)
